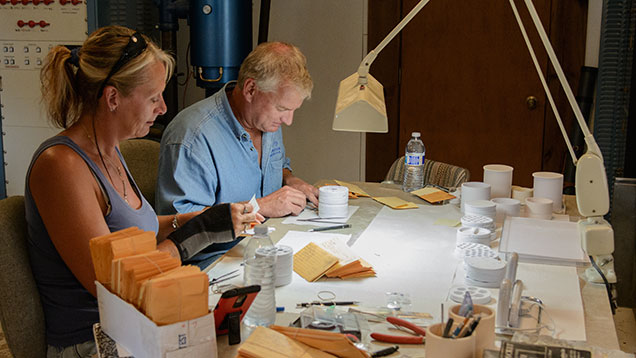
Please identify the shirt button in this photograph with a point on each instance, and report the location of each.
(252, 149)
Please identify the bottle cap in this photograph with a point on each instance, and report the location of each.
(260, 229)
(415, 134)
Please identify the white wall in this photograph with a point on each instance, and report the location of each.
(332, 34)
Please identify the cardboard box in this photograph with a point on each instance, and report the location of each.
(144, 339)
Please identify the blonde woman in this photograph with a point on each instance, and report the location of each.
(78, 186)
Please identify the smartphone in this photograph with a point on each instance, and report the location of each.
(231, 308)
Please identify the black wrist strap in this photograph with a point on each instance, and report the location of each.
(211, 226)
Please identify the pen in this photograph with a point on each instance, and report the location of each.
(343, 226)
(327, 303)
(447, 329)
(473, 326)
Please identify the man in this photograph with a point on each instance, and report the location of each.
(229, 147)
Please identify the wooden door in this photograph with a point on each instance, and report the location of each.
(465, 81)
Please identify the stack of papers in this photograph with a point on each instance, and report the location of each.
(128, 264)
(175, 296)
(543, 241)
(332, 258)
(127, 242)
(289, 342)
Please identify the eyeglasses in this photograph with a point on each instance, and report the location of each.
(135, 47)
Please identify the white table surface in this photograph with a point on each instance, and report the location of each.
(599, 323)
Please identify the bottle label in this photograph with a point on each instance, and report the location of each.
(414, 159)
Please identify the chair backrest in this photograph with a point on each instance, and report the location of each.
(21, 311)
(438, 173)
(142, 158)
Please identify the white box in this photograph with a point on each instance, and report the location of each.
(144, 339)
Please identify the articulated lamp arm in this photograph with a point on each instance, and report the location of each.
(592, 194)
(363, 69)
(360, 104)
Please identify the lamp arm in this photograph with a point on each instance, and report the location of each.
(592, 146)
(545, 85)
(363, 69)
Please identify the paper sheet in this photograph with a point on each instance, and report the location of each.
(542, 241)
(394, 202)
(307, 216)
(558, 288)
(312, 261)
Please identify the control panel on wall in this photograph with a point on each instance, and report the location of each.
(28, 30)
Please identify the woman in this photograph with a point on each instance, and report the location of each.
(78, 186)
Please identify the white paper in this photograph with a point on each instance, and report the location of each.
(542, 241)
(312, 214)
(254, 203)
(339, 249)
(558, 288)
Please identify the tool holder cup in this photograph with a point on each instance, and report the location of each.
(484, 332)
(440, 347)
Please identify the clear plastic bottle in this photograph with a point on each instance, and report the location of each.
(259, 265)
(259, 239)
(414, 164)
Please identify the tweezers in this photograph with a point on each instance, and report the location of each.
(224, 277)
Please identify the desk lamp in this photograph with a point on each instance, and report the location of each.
(360, 107)
(592, 195)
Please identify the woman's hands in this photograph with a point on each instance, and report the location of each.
(242, 217)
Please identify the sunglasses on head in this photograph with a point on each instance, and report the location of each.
(135, 47)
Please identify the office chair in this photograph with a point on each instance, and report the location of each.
(21, 311)
(438, 173)
(142, 158)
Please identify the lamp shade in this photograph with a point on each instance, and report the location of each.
(360, 108)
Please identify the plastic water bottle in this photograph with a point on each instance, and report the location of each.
(414, 164)
(259, 269)
(258, 240)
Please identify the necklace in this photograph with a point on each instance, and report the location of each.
(119, 171)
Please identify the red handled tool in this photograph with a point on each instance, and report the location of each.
(417, 339)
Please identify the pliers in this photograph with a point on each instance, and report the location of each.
(418, 338)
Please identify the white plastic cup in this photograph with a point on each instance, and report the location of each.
(506, 207)
(549, 185)
(474, 190)
(499, 177)
(539, 208)
(520, 193)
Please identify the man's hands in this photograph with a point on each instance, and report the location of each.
(242, 217)
(310, 191)
(283, 201)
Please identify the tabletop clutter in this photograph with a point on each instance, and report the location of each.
(128, 265)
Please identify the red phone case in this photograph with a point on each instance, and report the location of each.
(234, 302)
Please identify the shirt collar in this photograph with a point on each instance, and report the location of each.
(237, 129)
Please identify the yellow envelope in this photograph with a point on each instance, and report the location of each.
(395, 203)
(353, 188)
(432, 195)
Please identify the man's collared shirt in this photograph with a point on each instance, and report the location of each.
(208, 158)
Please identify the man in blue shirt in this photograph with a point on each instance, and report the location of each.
(229, 146)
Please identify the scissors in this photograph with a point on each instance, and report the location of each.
(417, 338)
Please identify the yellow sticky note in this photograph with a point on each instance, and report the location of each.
(352, 188)
(312, 261)
(395, 202)
(447, 222)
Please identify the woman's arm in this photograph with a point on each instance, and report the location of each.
(72, 208)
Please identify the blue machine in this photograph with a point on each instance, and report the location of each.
(221, 38)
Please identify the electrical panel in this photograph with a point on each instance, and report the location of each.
(28, 30)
